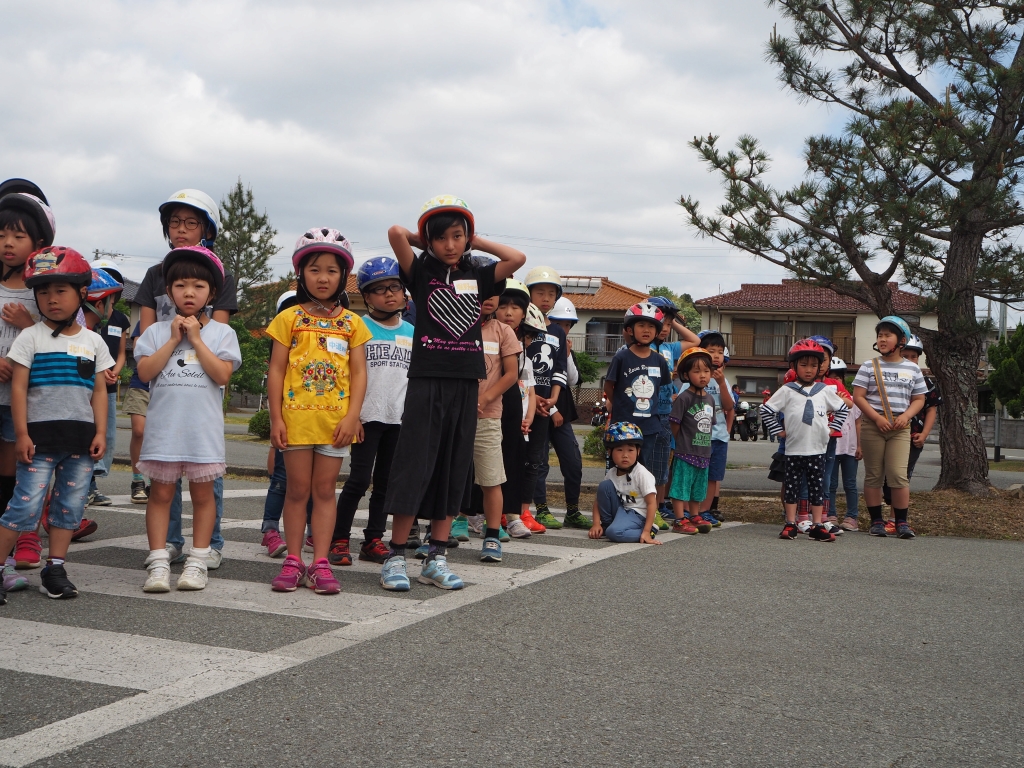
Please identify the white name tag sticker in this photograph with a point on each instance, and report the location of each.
(405, 342)
(337, 346)
(113, 330)
(190, 357)
(552, 340)
(81, 350)
(654, 372)
(491, 348)
(465, 286)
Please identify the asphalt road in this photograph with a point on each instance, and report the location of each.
(733, 648)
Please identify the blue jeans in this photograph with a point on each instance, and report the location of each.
(102, 467)
(620, 525)
(174, 534)
(274, 505)
(849, 466)
(70, 490)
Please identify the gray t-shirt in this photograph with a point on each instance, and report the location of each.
(902, 381)
(8, 332)
(185, 420)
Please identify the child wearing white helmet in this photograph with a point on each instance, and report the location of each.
(889, 391)
(550, 355)
(431, 465)
(561, 436)
(189, 218)
(316, 383)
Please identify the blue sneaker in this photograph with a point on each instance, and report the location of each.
(503, 535)
(460, 528)
(422, 551)
(393, 575)
(491, 551)
(436, 572)
(667, 513)
(710, 518)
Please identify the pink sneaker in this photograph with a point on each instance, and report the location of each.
(27, 551)
(291, 577)
(321, 579)
(274, 543)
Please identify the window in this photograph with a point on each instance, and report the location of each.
(771, 338)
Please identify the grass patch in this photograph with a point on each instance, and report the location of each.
(1007, 466)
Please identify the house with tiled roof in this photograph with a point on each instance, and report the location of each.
(761, 321)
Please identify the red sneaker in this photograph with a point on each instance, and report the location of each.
(339, 553)
(890, 527)
(27, 551)
(531, 523)
(790, 531)
(375, 551)
(684, 526)
(84, 529)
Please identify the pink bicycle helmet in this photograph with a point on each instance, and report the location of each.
(323, 240)
(202, 255)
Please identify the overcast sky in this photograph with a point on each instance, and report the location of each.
(556, 120)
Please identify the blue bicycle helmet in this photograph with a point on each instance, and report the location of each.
(480, 260)
(666, 305)
(826, 343)
(711, 336)
(898, 324)
(376, 269)
(623, 433)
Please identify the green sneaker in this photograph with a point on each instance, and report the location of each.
(546, 519)
(660, 522)
(503, 535)
(460, 528)
(576, 520)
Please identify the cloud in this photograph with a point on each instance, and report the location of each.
(558, 120)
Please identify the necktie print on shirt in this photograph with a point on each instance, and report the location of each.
(453, 312)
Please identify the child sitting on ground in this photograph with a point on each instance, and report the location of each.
(805, 404)
(693, 413)
(626, 501)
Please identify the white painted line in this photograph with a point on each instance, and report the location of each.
(240, 493)
(145, 663)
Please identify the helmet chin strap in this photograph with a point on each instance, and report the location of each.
(379, 314)
(12, 271)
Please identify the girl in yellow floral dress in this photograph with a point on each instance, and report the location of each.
(316, 383)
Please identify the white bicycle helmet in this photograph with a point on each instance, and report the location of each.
(193, 198)
(838, 364)
(914, 345)
(287, 299)
(110, 267)
(563, 310)
(644, 311)
(534, 321)
(544, 276)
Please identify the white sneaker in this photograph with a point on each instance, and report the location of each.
(194, 575)
(477, 523)
(517, 530)
(213, 560)
(173, 555)
(159, 579)
(833, 528)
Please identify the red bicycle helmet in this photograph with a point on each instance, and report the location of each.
(806, 348)
(57, 264)
(644, 311)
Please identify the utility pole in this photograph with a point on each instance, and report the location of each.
(999, 406)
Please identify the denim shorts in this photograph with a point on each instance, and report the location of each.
(70, 491)
(719, 453)
(6, 424)
(324, 449)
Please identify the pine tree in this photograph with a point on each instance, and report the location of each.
(923, 184)
(246, 241)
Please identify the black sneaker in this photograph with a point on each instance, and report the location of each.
(140, 495)
(818, 533)
(718, 514)
(56, 583)
(877, 529)
(790, 531)
(904, 531)
(414, 539)
(99, 500)
(453, 543)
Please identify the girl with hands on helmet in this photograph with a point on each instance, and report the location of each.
(185, 359)
(315, 389)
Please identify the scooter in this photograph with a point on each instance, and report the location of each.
(600, 415)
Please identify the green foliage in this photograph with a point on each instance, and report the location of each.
(589, 369)
(259, 424)
(124, 308)
(593, 445)
(259, 303)
(125, 375)
(246, 240)
(255, 356)
(1007, 380)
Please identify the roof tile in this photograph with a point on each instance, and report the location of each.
(611, 297)
(794, 295)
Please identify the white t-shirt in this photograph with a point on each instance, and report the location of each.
(185, 420)
(525, 382)
(8, 332)
(846, 445)
(632, 487)
(387, 371)
(806, 439)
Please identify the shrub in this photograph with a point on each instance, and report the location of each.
(594, 444)
(259, 424)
